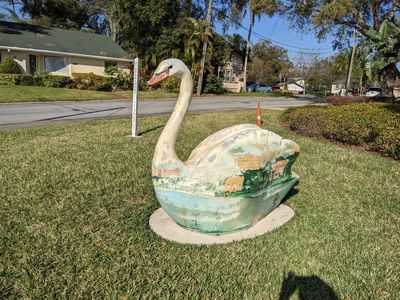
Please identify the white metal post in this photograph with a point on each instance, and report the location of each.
(135, 96)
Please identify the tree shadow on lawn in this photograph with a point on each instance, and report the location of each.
(308, 287)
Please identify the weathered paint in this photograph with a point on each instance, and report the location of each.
(232, 179)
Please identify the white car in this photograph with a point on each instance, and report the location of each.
(372, 92)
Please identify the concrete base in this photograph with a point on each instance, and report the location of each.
(165, 227)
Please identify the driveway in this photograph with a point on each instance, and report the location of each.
(40, 114)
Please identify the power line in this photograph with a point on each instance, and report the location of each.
(262, 37)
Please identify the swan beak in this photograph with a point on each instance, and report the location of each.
(158, 77)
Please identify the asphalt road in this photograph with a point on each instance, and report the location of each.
(39, 114)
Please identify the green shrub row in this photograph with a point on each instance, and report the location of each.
(84, 81)
(281, 93)
(9, 79)
(373, 126)
(80, 81)
(35, 80)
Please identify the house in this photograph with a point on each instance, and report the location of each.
(232, 72)
(296, 86)
(337, 87)
(56, 51)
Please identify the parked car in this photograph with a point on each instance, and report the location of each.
(252, 87)
(261, 88)
(373, 91)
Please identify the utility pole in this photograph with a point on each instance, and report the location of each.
(248, 47)
(353, 52)
(203, 59)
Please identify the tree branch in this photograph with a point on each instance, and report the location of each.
(396, 6)
(375, 5)
(359, 21)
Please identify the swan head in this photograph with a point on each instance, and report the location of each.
(171, 67)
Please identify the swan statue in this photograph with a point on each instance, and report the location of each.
(231, 180)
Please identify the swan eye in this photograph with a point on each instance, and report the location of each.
(170, 67)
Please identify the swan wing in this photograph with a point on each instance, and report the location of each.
(216, 138)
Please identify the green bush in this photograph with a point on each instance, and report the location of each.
(170, 84)
(30, 80)
(9, 79)
(118, 79)
(90, 81)
(282, 93)
(342, 100)
(9, 66)
(373, 126)
(213, 85)
(56, 81)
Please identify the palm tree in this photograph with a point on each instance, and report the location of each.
(256, 8)
(196, 33)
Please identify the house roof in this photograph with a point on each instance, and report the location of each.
(19, 36)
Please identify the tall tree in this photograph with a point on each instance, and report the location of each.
(255, 8)
(268, 62)
(376, 20)
(62, 13)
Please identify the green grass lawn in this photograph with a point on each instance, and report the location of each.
(76, 200)
(14, 94)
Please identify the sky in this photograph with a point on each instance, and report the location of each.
(279, 30)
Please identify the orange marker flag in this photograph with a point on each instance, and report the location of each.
(259, 121)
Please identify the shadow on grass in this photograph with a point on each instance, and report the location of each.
(308, 287)
(151, 129)
(293, 191)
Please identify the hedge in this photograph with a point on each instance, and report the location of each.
(373, 126)
(343, 100)
(9, 79)
(90, 81)
(84, 81)
(53, 80)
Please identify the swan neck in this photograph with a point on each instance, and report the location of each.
(165, 149)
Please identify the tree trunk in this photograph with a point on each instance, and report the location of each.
(388, 80)
(246, 58)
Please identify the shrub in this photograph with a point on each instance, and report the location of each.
(342, 100)
(90, 81)
(9, 79)
(30, 80)
(170, 84)
(118, 79)
(56, 81)
(213, 85)
(282, 93)
(9, 66)
(373, 126)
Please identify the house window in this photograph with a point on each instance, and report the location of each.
(108, 63)
(55, 64)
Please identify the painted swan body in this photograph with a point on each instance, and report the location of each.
(231, 180)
